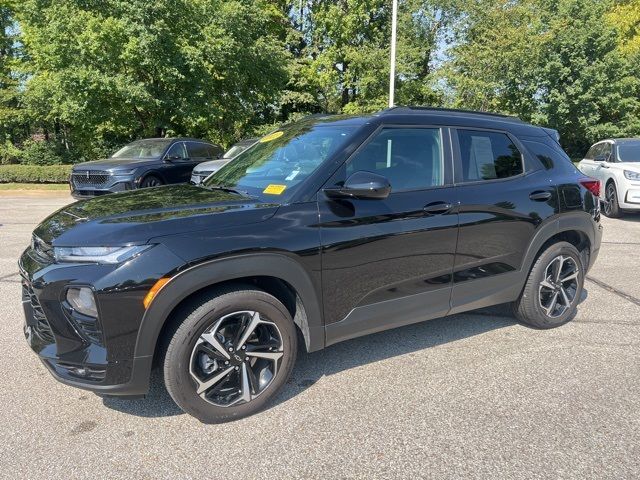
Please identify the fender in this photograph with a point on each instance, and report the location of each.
(577, 221)
(209, 273)
(507, 287)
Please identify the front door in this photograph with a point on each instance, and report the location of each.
(389, 262)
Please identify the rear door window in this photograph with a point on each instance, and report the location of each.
(488, 156)
(198, 151)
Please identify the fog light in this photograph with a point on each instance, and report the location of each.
(83, 301)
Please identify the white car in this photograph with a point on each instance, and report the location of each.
(616, 163)
(203, 170)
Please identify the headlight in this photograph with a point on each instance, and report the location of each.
(98, 254)
(631, 175)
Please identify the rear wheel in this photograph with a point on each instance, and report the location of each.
(611, 207)
(552, 292)
(230, 355)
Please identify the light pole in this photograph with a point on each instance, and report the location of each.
(392, 73)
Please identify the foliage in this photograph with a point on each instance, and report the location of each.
(626, 17)
(34, 173)
(79, 78)
(553, 62)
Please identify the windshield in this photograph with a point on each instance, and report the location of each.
(236, 150)
(629, 152)
(279, 162)
(150, 148)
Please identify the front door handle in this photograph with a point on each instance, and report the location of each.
(604, 165)
(540, 196)
(437, 208)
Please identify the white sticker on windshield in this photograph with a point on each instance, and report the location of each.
(292, 175)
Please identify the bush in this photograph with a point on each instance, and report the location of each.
(34, 173)
(9, 153)
(44, 153)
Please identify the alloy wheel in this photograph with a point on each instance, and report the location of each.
(236, 359)
(609, 195)
(558, 290)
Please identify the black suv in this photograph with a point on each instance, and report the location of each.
(325, 230)
(144, 163)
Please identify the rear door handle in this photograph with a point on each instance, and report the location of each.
(540, 196)
(437, 208)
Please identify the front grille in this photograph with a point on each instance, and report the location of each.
(89, 178)
(41, 327)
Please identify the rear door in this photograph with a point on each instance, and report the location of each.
(501, 203)
(388, 262)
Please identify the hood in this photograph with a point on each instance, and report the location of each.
(115, 164)
(633, 166)
(211, 166)
(139, 215)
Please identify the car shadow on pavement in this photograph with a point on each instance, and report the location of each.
(311, 367)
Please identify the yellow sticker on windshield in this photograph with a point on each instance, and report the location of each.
(271, 136)
(274, 189)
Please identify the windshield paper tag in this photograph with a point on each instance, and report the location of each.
(292, 175)
(274, 189)
(271, 136)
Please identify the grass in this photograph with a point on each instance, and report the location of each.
(34, 186)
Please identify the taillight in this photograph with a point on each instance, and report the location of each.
(592, 185)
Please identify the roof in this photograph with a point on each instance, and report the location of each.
(449, 112)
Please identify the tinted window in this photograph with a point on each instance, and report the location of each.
(177, 150)
(629, 152)
(606, 150)
(488, 156)
(410, 158)
(214, 151)
(198, 150)
(550, 157)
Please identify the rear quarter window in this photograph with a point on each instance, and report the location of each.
(550, 156)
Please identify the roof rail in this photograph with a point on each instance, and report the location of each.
(445, 110)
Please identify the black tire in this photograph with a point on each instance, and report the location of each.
(530, 307)
(611, 206)
(151, 181)
(198, 319)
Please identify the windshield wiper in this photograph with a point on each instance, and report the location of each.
(224, 188)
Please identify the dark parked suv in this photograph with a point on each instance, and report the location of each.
(328, 229)
(144, 163)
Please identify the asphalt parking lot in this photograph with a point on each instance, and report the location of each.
(468, 396)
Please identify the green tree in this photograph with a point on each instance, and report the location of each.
(103, 72)
(553, 62)
(10, 114)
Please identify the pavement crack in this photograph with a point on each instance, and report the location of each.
(615, 291)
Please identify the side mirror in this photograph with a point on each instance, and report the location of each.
(362, 184)
(173, 158)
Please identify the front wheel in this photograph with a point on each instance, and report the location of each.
(611, 207)
(150, 181)
(230, 355)
(553, 289)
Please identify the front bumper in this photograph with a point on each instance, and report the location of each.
(99, 355)
(83, 188)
